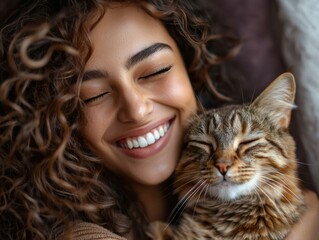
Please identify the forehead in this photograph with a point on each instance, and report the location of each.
(231, 119)
(125, 30)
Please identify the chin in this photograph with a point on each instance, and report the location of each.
(229, 191)
(154, 176)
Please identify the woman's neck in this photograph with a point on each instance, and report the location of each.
(155, 201)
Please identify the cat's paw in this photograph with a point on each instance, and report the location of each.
(160, 231)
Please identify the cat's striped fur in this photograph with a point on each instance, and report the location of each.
(237, 175)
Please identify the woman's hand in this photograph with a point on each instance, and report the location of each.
(308, 226)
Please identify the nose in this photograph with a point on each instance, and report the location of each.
(135, 105)
(223, 166)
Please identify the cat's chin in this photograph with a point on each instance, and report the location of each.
(226, 190)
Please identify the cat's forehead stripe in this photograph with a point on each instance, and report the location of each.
(236, 120)
(216, 120)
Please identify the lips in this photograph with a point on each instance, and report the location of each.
(147, 139)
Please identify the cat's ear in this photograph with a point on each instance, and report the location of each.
(277, 100)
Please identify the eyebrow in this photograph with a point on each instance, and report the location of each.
(94, 74)
(141, 55)
(133, 60)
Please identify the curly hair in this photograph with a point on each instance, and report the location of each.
(49, 178)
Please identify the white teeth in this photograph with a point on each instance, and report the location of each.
(156, 135)
(135, 143)
(148, 139)
(129, 143)
(161, 131)
(142, 142)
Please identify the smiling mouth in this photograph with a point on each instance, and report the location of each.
(145, 140)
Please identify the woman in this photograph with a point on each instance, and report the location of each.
(94, 102)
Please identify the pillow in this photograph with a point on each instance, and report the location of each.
(299, 21)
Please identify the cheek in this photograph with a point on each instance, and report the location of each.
(96, 125)
(179, 94)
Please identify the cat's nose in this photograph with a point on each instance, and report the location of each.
(223, 167)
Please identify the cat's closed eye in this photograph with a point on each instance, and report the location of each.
(205, 142)
(207, 147)
(247, 142)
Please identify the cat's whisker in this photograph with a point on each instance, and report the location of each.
(275, 187)
(184, 200)
(172, 185)
(193, 179)
(168, 189)
(275, 177)
(292, 206)
(274, 171)
(195, 189)
(206, 190)
(271, 183)
(206, 185)
(206, 170)
(259, 197)
(180, 207)
(307, 164)
(269, 198)
(296, 178)
(186, 175)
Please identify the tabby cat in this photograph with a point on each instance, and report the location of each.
(237, 175)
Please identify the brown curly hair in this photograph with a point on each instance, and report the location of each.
(49, 178)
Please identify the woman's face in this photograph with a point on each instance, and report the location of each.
(138, 96)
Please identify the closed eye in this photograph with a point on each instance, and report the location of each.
(95, 98)
(207, 147)
(159, 72)
(200, 142)
(246, 143)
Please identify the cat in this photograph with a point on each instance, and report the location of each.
(236, 178)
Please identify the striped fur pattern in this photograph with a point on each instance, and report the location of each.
(237, 175)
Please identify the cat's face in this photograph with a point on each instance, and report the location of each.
(238, 150)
